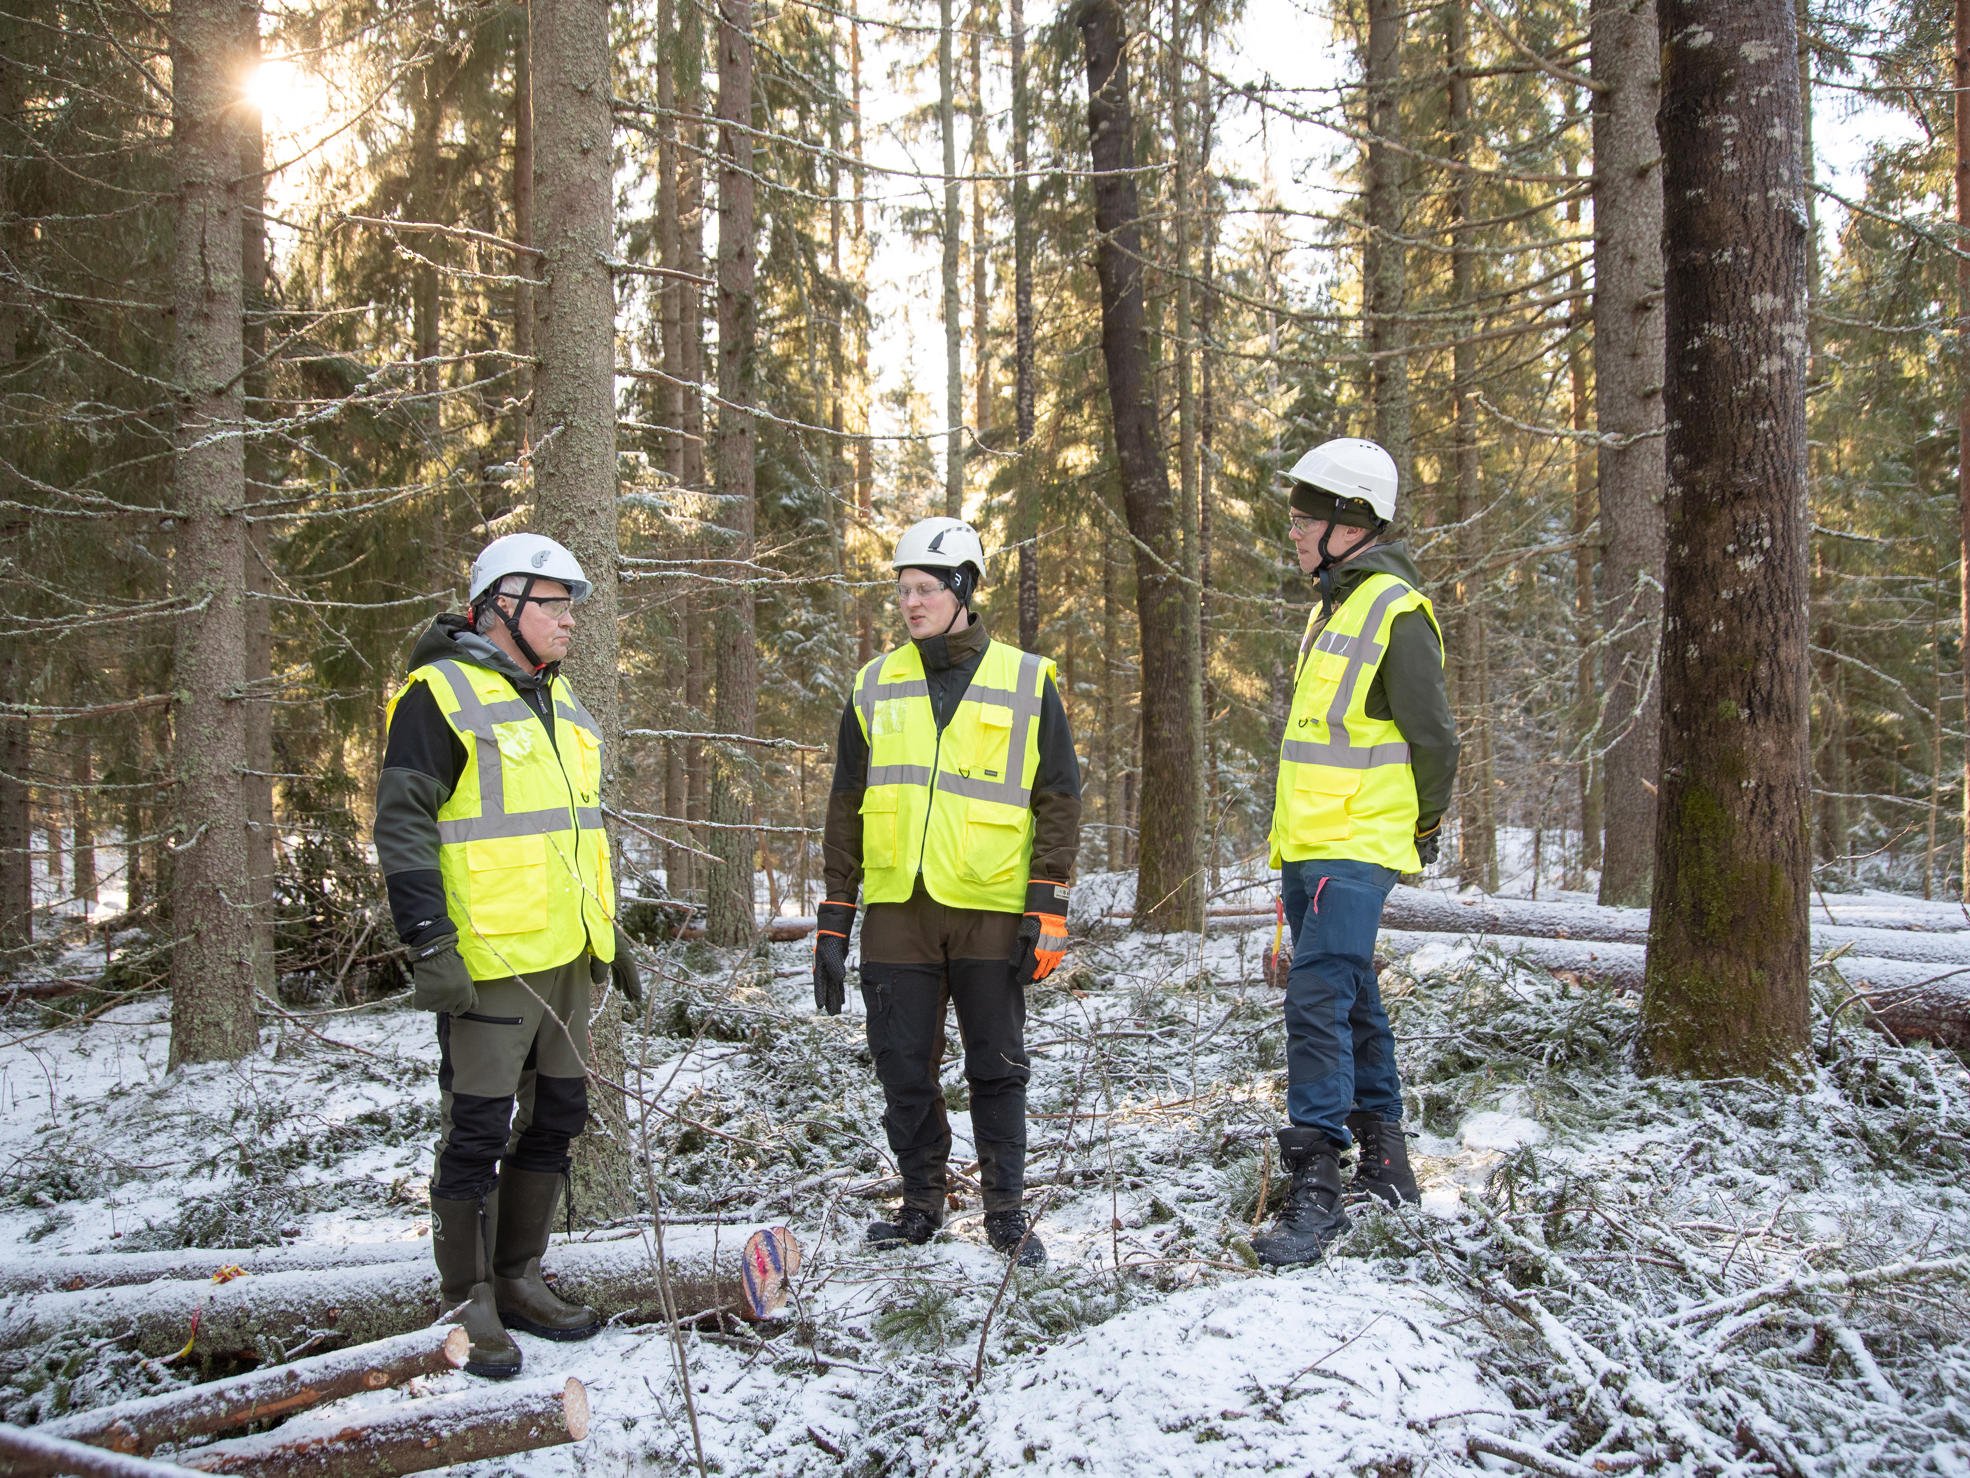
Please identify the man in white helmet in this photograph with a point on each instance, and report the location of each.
(955, 813)
(1366, 767)
(489, 832)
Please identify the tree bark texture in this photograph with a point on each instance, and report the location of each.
(1963, 404)
(212, 961)
(525, 266)
(729, 913)
(486, 1421)
(1628, 387)
(1383, 268)
(1586, 559)
(575, 457)
(268, 1394)
(260, 475)
(16, 737)
(359, 1304)
(947, 126)
(30, 1452)
(1169, 892)
(1477, 825)
(1727, 962)
(1025, 389)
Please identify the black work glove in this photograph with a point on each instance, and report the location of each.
(833, 923)
(627, 973)
(1427, 843)
(439, 980)
(1042, 933)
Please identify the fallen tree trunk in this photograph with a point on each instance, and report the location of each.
(29, 1452)
(361, 1304)
(413, 1436)
(144, 1425)
(115, 1269)
(1910, 999)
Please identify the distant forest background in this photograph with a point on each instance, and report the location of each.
(265, 389)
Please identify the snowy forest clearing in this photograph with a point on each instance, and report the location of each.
(1637, 1273)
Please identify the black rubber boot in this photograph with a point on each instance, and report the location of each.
(1384, 1169)
(527, 1200)
(1011, 1232)
(458, 1241)
(911, 1224)
(1313, 1216)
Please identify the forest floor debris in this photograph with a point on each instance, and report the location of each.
(1608, 1272)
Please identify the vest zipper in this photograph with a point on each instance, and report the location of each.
(574, 817)
(930, 801)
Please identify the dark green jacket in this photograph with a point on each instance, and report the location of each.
(1408, 686)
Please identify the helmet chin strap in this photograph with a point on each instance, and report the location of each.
(511, 620)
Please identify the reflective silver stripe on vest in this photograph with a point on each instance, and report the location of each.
(1362, 652)
(1025, 701)
(507, 824)
(898, 775)
(476, 717)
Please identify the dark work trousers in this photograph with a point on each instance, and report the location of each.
(906, 1037)
(525, 1046)
(1340, 1053)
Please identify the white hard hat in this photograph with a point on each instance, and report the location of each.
(1351, 470)
(527, 554)
(940, 544)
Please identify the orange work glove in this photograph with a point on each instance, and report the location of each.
(1042, 932)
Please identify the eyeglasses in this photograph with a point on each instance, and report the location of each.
(907, 591)
(1299, 523)
(554, 607)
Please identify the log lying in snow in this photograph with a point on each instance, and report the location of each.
(412, 1436)
(144, 1425)
(30, 1452)
(1910, 999)
(110, 1269)
(361, 1304)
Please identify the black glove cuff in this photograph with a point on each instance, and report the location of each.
(1046, 898)
(835, 918)
(435, 947)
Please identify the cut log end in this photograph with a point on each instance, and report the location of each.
(574, 1406)
(458, 1345)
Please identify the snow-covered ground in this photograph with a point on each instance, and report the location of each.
(1619, 1273)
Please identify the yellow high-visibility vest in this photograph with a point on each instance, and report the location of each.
(956, 806)
(1346, 788)
(521, 846)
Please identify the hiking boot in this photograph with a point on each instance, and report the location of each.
(1384, 1169)
(911, 1224)
(458, 1242)
(1011, 1232)
(1313, 1216)
(527, 1199)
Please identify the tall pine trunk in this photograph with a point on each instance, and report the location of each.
(16, 740)
(947, 124)
(1628, 407)
(1025, 390)
(525, 266)
(729, 916)
(260, 473)
(212, 961)
(1383, 267)
(1963, 404)
(575, 460)
(1169, 892)
(1724, 990)
(1477, 823)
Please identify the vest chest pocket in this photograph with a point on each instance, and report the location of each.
(990, 745)
(1319, 811)
(879, 828)
(996, 842)
(508, 879)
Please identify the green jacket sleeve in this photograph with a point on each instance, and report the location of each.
(1409, 689)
